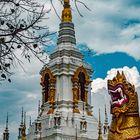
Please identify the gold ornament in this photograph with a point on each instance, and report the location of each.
(76, 89)
(66, 13)
(125, 123)
(75, 80)
(89, 113)
(52, 90)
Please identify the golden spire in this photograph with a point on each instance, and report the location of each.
(66, 13)
(24, 128)
(100, 128)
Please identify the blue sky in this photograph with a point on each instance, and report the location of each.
(104, 62)
(112, 32)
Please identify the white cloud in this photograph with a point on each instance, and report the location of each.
(1, 131)
(131, 74)
(109, 27)
(100, 95)
(32, 96)
(102, 30)
(24, 90)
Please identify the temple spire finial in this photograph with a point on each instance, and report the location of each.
(38, 107)
(22, 116)
(24, 128)
(106, 118)
(30, 121)
(66, 27)
(24, 119)
(106, 125)
(100, 128)
(7, 121)
(6, 131)
(66, 13)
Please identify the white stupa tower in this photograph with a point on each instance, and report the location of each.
(66, 111)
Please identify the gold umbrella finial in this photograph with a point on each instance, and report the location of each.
(66, 13)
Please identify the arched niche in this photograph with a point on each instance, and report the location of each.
(48, 81)
(82, 84)
(80, 80)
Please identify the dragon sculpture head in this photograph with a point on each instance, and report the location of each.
(125, 123)
(123, 96)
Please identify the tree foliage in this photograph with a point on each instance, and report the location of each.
(21, 29)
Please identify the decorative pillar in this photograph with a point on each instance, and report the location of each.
(52, 91)
(86, 93)
(43, 94)
(75, 95)
(106, 124)
(100, 128)
(51, 98)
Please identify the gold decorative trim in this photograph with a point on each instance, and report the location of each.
(52, 90)
(76, 110)
(66, 13)
(47, 71)
(125, 123)
(75, 80)
(51, 111)
(75, 89)
(89, 113)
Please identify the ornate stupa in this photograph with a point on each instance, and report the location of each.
(66, 111)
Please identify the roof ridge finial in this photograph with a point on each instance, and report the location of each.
(66, 13)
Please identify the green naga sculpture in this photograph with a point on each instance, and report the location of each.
(125, 123)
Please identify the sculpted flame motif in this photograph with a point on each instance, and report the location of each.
(125, 123)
